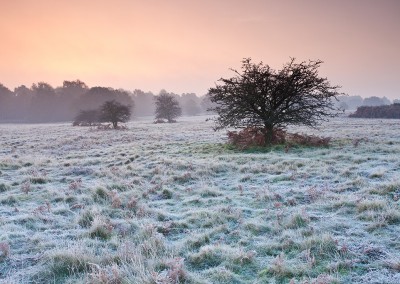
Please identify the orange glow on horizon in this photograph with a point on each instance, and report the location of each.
(185, 47)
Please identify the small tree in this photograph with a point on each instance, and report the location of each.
(87, 117)
(167, 107)
(114, 112)
(262, 97)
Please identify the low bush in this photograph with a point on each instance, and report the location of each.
(384, 111)
(255, 137)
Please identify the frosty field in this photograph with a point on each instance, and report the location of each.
(172, 203)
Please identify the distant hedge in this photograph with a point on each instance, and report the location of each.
(385, 111)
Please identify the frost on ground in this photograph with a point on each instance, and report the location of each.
(171, 203)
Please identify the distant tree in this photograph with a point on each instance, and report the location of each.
(261, 97)
(374, 101)
(144, 103)
(190, 103)
(386, 101)
(191, 107)
(382, 111)
(69, 94)
(97, 96)
(43, 89)
(45, 105)
(206, 104)
(6, 101)
(23, 97)
(77, 84)
(167, 107)
(343, 106)
(114, 112)
(353, 102)
(87, 117)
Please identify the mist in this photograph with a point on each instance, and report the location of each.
(43, 103)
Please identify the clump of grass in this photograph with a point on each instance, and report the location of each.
(298, 220)
(378, 173)
(26, 187)
(392, 216)
(281, 269)
(371, 205)
(65, 263)
(208, 256)
(100, 229)
(132, 203)
(4, 187)
(115, 199)
(198, 241)
(106, 275)
(208, 192)
(244, 257)
(4, 250)
(186, 177)
(71, 199)
(9, 200)
(166, 194)
(322, 247)
(38, 180)
(381, 219)
(256, 228)
(393, 263)
(221, 274)
(86, 218)
(175, 272)
(385, 189)
(100, 194)
(118, 187)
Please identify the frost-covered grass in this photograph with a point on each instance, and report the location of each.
(171, 203)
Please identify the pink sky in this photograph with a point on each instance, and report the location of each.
(186, 46)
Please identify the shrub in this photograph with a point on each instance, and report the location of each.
(384, 111)
(255, 137)
(87, 118)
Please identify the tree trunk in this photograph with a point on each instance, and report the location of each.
(115, 124)
(269, 133)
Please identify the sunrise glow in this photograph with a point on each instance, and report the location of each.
(185, 46)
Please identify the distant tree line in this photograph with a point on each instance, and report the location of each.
(384, 111)
(353, 102)
(44, 103)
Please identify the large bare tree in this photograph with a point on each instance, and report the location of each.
(260, 96)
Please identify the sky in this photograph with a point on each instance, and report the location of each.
(185, 46)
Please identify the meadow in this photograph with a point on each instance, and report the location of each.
(173, 203)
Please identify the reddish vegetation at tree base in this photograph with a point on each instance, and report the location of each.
(255, 136)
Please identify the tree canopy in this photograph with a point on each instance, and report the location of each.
(87, 117)
(114, 112)
(167, 107)
(260, 96)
